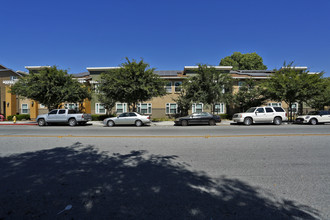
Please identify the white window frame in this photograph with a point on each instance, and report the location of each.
(124, 108)
(70, 105)
(194, 105)
(27, 108)
(169, 88)
(275, 104)
(222, 108)
(149, 108)
(297, 107)
(97, 109)
(168, 108)
(180, 86)
(96, 88)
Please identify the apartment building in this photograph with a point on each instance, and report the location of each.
(158, 107)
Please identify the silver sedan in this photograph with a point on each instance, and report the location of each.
(127, 118)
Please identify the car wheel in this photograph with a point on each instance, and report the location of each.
(138, 123)
(313, 121)
(211, 122)
(72, 122)
(41, 122)
(184, 123)
(248, 121)
(110, 123)
(277, 121)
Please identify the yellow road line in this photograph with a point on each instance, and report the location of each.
(166, 136)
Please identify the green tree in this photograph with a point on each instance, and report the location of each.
(208, 86)
(132, 83)
(248, 61)
(51, 87)
(184, 103)
(250, 94)
(291, 84)
(323, 99)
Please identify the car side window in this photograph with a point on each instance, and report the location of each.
(61, 112)
(53, 112)
(279, 109)
(123, 115)
(260, 110)
(269, 110)
(132, 114)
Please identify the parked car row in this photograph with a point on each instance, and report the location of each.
(267, 114)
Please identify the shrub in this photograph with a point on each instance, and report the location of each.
(162, 119)
(226, 116)
(101, 117)
(19, 117)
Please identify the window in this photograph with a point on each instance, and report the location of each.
(178, 86)
(197, 107)
(42, 106)
(99, 108)
(73, 106)
(53, 112)
(123, 115)
(25, 109)
(269, 109)
(219, 108)
(131, 114)
(168, 87)
(294, 107)
(171, 108)
(121, 107)
(144, 108)
(260, 110)
(13, 77)
(275, 104)
(279, 109)
(61, 112)
(96, 88)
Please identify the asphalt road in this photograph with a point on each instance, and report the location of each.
(198, 172)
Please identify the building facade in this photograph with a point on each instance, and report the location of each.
(158, 107)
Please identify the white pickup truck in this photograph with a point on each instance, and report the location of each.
(67, 116)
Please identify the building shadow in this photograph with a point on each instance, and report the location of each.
(137, 185)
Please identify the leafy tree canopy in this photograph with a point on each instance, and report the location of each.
(132, 83)
(248, 61)
(51, 87)
(290, 84)
(323, 99)
(250, 94)
(208, 86)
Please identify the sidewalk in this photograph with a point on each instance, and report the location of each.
(18, 123)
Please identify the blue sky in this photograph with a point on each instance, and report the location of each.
(167, 34)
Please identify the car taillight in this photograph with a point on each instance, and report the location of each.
(148, 117)
(82, 116)
(286, 114)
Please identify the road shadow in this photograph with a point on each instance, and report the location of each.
(137, 185)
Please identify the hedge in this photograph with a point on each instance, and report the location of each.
(101, 117)
(19, 117)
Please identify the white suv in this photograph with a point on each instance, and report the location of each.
(266, 114)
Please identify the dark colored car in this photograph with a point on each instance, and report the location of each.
(198, 119)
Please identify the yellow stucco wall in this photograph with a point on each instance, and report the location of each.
(11, 103)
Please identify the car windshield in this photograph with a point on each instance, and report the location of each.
(313, 113)
(251, 110)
